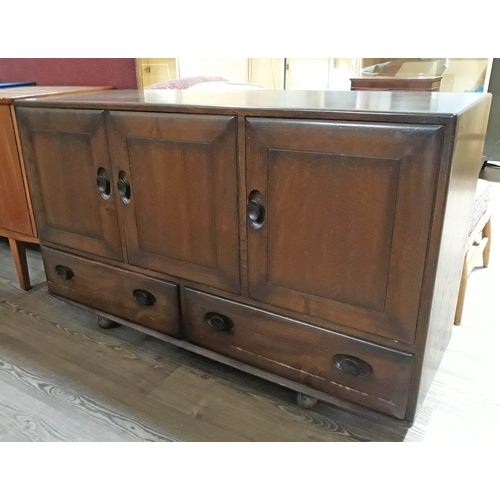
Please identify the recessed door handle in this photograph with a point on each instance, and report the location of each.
(255, 209)
(123, 186)
(103, 183)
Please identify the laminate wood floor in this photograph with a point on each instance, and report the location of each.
(62, 378)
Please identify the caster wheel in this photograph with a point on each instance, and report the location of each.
(106, 323)
(306, 401)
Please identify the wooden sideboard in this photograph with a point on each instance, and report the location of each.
(394, 83)
(315, 239)
(16, 217)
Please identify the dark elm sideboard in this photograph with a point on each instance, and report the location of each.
(315, 239)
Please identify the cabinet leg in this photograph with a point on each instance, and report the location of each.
(306, 401)
(106, 323)
(19, 255)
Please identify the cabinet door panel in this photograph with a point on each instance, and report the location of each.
(347, 214)
(64, 150)
(182, 215)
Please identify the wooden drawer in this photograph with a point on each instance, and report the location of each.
(145, 301)
(354, 370)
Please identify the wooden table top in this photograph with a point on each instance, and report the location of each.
(9, 95)
(253, 102)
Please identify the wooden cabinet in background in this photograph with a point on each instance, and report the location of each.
(313, 239)
(16, 216)
(397, 84)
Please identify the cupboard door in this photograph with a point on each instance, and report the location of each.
(14, 211)
(71, 183)
(339, 218)
(179, 208)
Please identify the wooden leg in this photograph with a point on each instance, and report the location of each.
(461, 294)
(19, 255)
(486, 251)
(306, 401)
(106, 323)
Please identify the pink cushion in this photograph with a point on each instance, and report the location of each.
(186, 82)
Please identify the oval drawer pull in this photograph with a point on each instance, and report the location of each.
(143, 297)
(219, 322)
(64, 272)
(352, 365)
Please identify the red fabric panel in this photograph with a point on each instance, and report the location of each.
(118, 73)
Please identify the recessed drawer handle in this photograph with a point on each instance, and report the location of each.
(64, 272)
(352, 365)
(143, 297)
(219, 322)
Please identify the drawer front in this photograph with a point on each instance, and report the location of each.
(142, 300)
(354, 370)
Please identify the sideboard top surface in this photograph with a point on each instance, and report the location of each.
(9, 95)
(438, 104)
